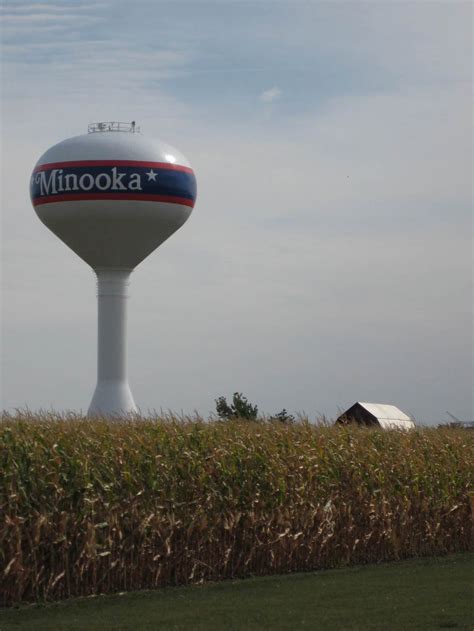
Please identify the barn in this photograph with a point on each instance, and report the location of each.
(376, 415)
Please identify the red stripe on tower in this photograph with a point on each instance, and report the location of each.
(75, 197)
(112, 163)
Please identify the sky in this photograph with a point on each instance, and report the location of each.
(328, 258)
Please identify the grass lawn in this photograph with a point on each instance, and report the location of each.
(419, 594)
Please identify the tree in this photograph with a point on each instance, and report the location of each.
(240, 408)
(283, 417)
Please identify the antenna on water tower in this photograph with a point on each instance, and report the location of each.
(113, 196)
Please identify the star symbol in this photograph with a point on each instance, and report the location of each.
(151, 175)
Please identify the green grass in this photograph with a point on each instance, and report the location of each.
(419, 594)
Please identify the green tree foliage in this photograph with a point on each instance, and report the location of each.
(283, 417)
(240, 408)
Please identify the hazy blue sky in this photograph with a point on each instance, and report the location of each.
(329, 256)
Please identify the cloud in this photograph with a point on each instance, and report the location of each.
(37, 19)
(268, 96)
(17, 20)
(327, 259)
(95, 71)
(57, 8)
(299, 262)
(30, 29)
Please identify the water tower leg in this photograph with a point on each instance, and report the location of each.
(112, 396)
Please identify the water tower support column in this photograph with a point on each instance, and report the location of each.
(112, 395)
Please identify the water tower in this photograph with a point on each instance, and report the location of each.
(113, 196)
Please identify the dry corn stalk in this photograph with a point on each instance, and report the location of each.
(93, 506)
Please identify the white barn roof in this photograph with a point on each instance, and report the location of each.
(387, 416)
(385, 412)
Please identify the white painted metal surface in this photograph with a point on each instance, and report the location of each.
(396, 424)
(113, 196)
(385, 412)
(112, 382)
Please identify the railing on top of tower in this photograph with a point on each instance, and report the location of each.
(93, 128)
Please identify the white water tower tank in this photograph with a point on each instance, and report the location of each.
(113, 196)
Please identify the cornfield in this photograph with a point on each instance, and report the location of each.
(91, 506)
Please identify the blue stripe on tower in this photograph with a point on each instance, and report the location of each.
(107, 181)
